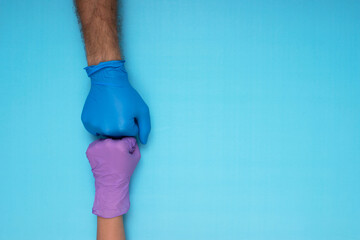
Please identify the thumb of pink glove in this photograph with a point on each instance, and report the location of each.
(112, 163)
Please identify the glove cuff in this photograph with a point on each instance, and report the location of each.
(111, 201)
(111, 73)
(90, 70)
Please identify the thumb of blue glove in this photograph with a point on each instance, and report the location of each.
(113, 107)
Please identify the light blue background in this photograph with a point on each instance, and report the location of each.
(255, 113)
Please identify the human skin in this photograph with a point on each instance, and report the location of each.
(98, 20)
(110, 228)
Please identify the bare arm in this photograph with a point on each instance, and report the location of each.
(98, 20)
(110, 228)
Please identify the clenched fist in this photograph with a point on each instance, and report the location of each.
(113, 107)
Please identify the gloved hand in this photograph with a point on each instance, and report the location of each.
(113, 108)
(112, 162)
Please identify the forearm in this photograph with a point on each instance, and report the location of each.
(110, 228)
(98, 20)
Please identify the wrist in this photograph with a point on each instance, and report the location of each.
(104, 52)
(95, 60)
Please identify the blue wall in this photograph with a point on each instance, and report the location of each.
(255, 109)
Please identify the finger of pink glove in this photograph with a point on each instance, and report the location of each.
(112, 161)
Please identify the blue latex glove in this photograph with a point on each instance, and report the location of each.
(113, 108)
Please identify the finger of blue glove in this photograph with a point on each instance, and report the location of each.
(127, 128)
(143, 120)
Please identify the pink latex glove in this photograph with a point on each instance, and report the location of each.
(112, 163)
